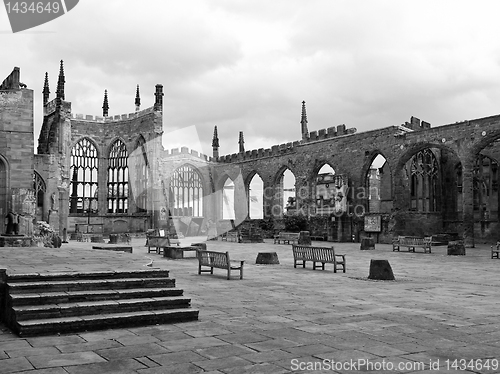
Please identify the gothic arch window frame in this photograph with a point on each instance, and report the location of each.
(187, 192)
(485, 187)
(228, 211)
(40, 188)
(376, 188)
(84, 171)
(256, 203)
(117, 177)
(141, 173)
(283, 202)
(4, 185)
(324, 192)
(422, 171)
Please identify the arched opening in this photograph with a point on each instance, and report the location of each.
(379, 184)
(228, 200)
(422, 174)
(186, 192)
(40, 188)
(140, 170)
(256, 198)
(326, 191)
(118, 178)
(287, 196)
(84, 177)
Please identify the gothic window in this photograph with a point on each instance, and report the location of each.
(256, 198)
(228, 200)
(84, 182)
(423, 173)
(379, 184)
(187, 192)
(118, 178)
(286, 192)
(485, 188)
(141, 175)
(40, 188)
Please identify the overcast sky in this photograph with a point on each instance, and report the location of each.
(246, 65)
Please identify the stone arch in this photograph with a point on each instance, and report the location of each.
(187, 189)
(84, 174)
(285, 196)
(117, 177)
(228, 210)
(255, 195)
(139, 171)
(40, 188)
(377, 183)
(112, 142)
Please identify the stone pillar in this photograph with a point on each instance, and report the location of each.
(240, 200)
(63, 210)
(269, 191)
(304, 195)
(468, 202)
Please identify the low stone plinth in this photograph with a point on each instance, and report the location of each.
(367, 243)
(119, 248)
(15, 241)
(380, 270)
(456, 248)
(304, 238)
(267, 258)
(178, 252)
(119, 238)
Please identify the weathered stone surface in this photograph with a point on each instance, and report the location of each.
(367, 243)
(270, 258)
(456, 248)
(380, 270)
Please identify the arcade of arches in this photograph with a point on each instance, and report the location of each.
(399, 180)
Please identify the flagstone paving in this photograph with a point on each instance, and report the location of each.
(439, 315)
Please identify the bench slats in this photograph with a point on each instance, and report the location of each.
(412, 242)
(219, 260)
(318, 255)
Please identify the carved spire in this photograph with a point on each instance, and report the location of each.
(137, 100)
(303, 122)
(46, 91)
(105, 105)
(158, 98)
(60, 83)
(241, 142)
(215, 143)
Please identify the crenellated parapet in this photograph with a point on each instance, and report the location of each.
(275, 150)
(110, 119)
(330, 132)
(185, 151)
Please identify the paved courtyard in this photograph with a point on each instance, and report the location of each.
(440, 315)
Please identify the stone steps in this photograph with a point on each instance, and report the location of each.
(71, 302)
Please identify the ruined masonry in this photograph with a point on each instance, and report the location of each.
(110, 174)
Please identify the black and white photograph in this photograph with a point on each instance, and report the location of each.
(249, 186)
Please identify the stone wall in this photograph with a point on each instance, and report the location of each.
(16, 144)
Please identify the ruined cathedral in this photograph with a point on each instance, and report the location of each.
(111, 174)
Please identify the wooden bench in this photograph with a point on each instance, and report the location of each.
(495, 250)
(322, 255)
(412, 242)
(287, 237)
(231, 236)
(219, 260)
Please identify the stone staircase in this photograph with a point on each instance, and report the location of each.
(37, 304)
